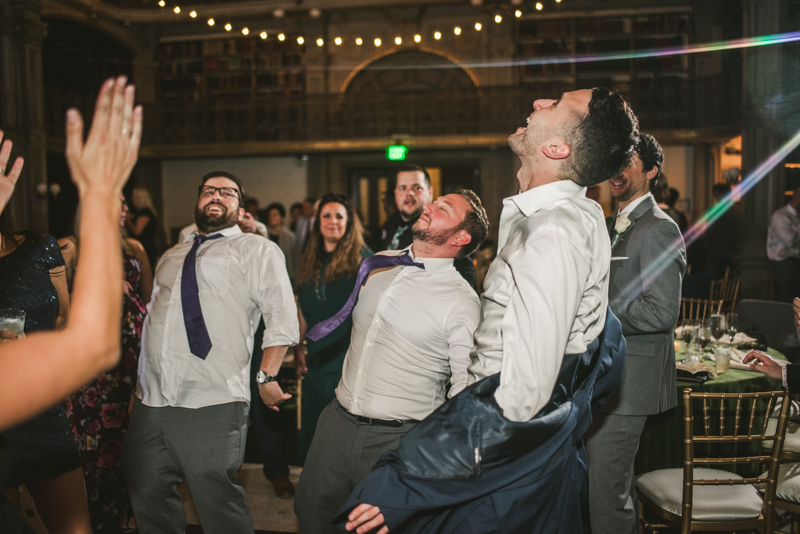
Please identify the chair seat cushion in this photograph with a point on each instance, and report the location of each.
(709, 503)
(789, 482)
(792, 441)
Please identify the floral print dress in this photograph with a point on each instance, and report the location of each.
(99, 415)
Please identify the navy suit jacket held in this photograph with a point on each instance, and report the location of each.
(467, 469)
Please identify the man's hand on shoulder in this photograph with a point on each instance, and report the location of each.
(366, 517)
(273, 395)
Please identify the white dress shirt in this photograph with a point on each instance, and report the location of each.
(412, 333)
(632, 206)
(240, 277)
(783, 237)
(545, 294)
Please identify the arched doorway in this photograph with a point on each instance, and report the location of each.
(411, 92)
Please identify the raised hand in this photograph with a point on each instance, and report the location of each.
(106, 159)
(8, 178)
(764, 363)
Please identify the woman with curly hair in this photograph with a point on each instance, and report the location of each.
(326, 278)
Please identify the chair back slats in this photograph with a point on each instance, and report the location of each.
(759, 406)
(726, 290)
(699, 309)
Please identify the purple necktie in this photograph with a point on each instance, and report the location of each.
(196, 331)
(378, 261)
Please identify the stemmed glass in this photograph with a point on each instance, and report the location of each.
(733, 325)
(718, 327)
(703, 337)
(686, 334)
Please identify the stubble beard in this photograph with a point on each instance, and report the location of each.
(213, 223)
(436, 238)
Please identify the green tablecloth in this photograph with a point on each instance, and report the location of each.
(661, 446)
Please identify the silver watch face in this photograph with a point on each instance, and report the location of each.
(263, 378)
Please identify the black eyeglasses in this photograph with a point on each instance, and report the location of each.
(225, 192)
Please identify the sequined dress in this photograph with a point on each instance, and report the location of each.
(43, 446)
(99, 414)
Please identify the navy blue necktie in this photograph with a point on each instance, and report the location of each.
(196, 331)
(378, 261)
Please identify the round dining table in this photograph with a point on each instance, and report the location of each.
(661, 445)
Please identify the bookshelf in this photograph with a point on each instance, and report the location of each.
(240, 66)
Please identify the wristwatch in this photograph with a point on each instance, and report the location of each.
(263, 378)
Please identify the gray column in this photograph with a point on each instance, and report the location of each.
(22, 108)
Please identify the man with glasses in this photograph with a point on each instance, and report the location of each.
(189, 422)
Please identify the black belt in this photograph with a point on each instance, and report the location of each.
(396, 423)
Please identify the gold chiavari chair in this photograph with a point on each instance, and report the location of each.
(699, 309)
(726, 290)
(703, 498)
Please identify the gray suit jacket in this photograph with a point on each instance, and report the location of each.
(647, 267)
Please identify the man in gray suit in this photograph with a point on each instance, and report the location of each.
(648, 261)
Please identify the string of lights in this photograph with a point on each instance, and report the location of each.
(338, 40)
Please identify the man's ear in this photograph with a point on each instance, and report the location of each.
(652, 173)
(241, 214)
(461, 239)
(556, 148)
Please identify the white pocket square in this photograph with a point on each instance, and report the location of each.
(619, 258)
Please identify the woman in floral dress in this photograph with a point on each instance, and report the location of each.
(99, 411)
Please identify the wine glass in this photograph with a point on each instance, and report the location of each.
(686, 333)
(703, 337)
(732, 324)
(718, 327)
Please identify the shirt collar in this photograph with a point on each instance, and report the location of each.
(632, 206)
(432, 265)
(537, 198)
(227, 232)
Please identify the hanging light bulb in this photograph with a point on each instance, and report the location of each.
(539, 6)
(210, 22)
(377, 41)
(359, 41)
(245, 31)
(338, 41)
(417, 38)
(228, 27)
(398, 41)
(457, 30)
(281, 37)
(162, 3)
(518, 13)
(437, 35)
(263, 35)
(300, 40)
(478, 26)
(498, 19)
(320, 42)
(177, 9)
(193, 14)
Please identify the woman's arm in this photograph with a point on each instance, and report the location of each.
(42, 368)
(137, 224)
(299, 353)
(146, 280)
(58, 277)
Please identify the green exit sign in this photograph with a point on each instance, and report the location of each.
(396, 152)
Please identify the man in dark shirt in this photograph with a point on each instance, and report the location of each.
(412, 191)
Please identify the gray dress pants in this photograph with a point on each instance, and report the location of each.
(167, 446)
(342, 454)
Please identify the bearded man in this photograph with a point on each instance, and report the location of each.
(409, 351)
(189, 422)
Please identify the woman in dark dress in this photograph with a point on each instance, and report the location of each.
(42, 451)
(99, 411)
(327, 276)
(142, 224)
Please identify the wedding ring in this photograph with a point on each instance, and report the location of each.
(2, 170)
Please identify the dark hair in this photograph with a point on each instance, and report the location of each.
(720, 190)
(602, 141)
(673, 196)
(347, 256)
(276, 206)
(296, 206)
(650, 153)
(413, 168)
(229, 176)
(475, 223)
(251, 201)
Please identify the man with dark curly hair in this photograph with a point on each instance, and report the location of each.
(506, 454)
